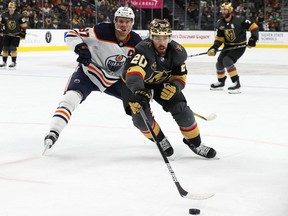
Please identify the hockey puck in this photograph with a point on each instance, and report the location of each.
(194, 211)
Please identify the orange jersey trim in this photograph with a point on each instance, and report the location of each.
(94, 69)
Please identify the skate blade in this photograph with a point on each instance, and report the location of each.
(217, 89)
(47, 145)
(236, 91)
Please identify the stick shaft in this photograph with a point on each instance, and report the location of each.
(227, 49)
(172, 173)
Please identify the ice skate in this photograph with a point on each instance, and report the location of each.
(235, 88)
(201, 150)
(3, 65)
(218, 86)
(50, 140)
(166, 147)
(12, 66)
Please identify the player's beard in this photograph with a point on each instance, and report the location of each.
(226, 16)
(161, 50)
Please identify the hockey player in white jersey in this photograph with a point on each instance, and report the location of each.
(102, 52)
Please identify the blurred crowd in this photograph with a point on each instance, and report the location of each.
(63, 14)
(266, 13)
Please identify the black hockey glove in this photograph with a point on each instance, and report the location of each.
(251, 42)
(22, 34)
(139, 99)
(84, 54)
(169, 91)
(212, 51)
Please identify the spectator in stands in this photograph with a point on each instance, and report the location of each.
(193, 11)
(260, 20)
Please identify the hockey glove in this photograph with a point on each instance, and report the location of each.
(139, 99)
(212, 51)
(251, 42)
(84, 54)
(22, 34)
(168, 92)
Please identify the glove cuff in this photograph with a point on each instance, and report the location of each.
(176, 85)
(214, 47)
(79, 47)
(143, 92)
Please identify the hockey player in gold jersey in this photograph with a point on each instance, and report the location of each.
(231, 30)
(158, 66)
(14, 28)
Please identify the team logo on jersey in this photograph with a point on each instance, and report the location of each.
(11, 24)
(158, 77)
(230, 35)
(154, 66)
(114, 63)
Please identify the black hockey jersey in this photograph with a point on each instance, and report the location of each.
(152, 69)
(234, 32)
(13, 23)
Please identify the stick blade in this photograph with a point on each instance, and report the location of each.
(198, 196)
(211, 117)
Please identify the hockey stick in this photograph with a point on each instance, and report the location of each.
(211, 116)
(227, 49)
(182, 192)
(11, 35)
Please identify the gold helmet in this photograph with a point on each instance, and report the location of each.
(227, 6)
(159, 27)
(12, 4)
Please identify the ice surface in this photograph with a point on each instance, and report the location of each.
(101, 165)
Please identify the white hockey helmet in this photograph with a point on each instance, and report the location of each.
(125, 12)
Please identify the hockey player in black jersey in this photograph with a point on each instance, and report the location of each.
(14, 28)
(231, 30)
(158, 66)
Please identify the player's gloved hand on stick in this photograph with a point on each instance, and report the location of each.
(84, 54)
(169, 91)
(212, 51)
(139, 99)
(251, 42)
(22, 34)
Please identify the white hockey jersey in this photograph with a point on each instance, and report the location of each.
(108, 53)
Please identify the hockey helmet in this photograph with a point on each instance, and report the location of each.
(12, 5)
(227, 6)
(125, 12)
(159, 27)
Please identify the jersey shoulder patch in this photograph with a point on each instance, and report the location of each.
(145, 47)
(179, 53)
